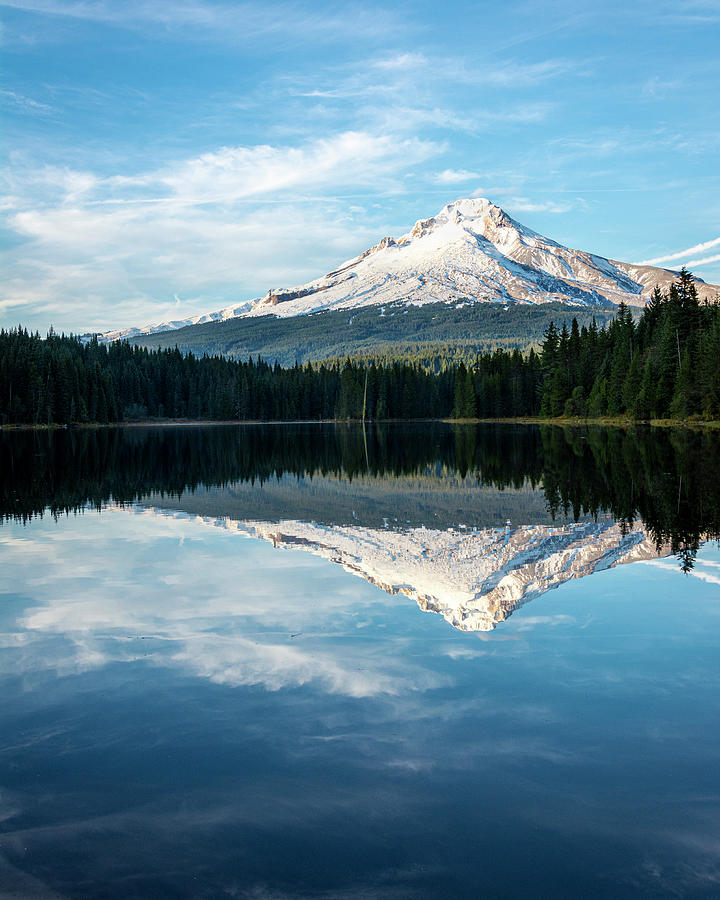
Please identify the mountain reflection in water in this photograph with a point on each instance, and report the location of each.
(188, 711)
(470, 521)
(474, 578)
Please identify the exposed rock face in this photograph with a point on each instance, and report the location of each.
(272, 298)
(475, 579)
(471, 251)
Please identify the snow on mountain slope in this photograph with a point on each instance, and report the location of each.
(231, 312)
(471, 251)
(474, 578)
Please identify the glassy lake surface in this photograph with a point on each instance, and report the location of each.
(322, 661)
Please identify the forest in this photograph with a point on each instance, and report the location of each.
(664, 365)
(459, 330)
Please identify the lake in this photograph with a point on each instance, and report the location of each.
(324, 661)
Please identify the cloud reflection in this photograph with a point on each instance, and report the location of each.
(561, 738)
(126, 586)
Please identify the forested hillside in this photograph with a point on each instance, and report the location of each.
(663, 366)
(400, 330)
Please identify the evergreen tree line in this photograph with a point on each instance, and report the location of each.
(665, 365)
(662, 366)
(63, 380)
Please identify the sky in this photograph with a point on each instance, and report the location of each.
(164, 159)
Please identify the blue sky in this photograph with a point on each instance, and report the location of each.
(162, 159)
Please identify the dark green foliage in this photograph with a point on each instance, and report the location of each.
(665, 478)
(64, 381)
(664, 365)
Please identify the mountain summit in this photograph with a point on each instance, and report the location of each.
(471, 251)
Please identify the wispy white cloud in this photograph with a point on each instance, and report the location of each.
(704, 261)
(682, 254)
(90, 268)
(206, 625)
(237, 661)
(6, 306)
(697, 572)
(245, 21)
(694, 15)
(456, 176)
(513, 74)
(20, 103)
(403, 119)
(528, 622)
(401, 61)
(508, 73)
(525, 204)
(352, 157)
(219, 227)
(424, 77)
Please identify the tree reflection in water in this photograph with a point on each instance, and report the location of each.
(665, 478)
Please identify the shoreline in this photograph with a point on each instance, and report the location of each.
(600, 422)
(561, 422)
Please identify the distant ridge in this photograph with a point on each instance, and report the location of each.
(470, 252)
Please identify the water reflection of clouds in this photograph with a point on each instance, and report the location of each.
(235, 661)
(236, 613)
(540, 734)
(703, 569)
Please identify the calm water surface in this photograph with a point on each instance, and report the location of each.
(320, 662)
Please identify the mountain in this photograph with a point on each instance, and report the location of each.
(474, 578)
(470, 252)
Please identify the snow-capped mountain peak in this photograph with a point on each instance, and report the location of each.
(477, 216)
(471, 251)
